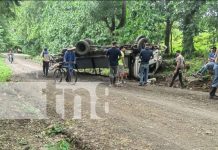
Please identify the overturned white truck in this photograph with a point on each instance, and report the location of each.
(93, 56)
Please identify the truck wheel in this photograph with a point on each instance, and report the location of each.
(82, 47)
(141, 43)
(139, 37)
(89, 41)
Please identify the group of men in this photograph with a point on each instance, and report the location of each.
(145, 55)
(117, 63)
(69, 60)
(114, 54)
(211, 66)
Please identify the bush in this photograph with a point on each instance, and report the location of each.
(195, 65)
(5, 71)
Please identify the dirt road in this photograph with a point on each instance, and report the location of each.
(137, 118)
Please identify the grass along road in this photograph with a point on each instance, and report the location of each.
(5, 71)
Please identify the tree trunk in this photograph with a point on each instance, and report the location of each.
(168, 27)
(167, 34)
(189, 27)
(188, 34)
(123, 15)
(171, 42)
(111, 22)
(111, 26)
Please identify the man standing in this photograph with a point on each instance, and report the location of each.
(113, 54)
(145, 56)
(46, 59)
(69, 62)
(10, 56)
(180, 64)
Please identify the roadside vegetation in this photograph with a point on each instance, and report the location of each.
(189, 26)
(5, 71)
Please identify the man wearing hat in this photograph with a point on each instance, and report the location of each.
(69, 61)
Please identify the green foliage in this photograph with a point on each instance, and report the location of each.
(60, 145)
(142, 19)
(195, 65)
(5, 71)
(177, 40)
(202, 42)
(58, 24)
(2, 44)
(5, 6)
(106, 72)
(37, 59)
(56, 129)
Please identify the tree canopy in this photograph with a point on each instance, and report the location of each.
(190, 26)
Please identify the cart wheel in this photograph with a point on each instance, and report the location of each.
(57, 76)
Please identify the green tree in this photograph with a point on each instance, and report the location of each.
(113, 13)
(190, 9)
(57, 24)
(5, 13)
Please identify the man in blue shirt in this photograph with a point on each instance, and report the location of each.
(69, 61)
(209, 65)
(145, 56)
(113, 55)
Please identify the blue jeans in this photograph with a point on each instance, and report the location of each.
(143, 73)
(113, 71)
(208, 66)
(69, 68)
(215, 80)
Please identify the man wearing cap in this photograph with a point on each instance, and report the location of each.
(113, 55)
(46, 58)
(69, 61)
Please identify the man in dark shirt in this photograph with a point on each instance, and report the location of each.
(113, 55)
(145, 56)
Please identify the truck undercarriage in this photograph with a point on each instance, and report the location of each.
(91, 56)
